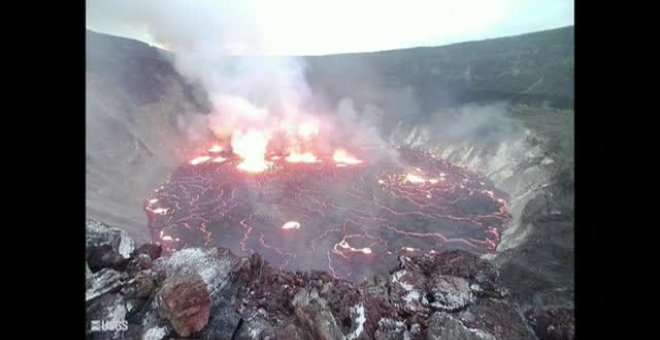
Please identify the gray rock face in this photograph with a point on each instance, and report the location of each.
(408, 291)
(389, 329)
(314, 316)
(255, 328)
(224, 319)
(443, 326)
(498, 318)
(552, 323)
(106, 246)
(104, 281)
(449, 293)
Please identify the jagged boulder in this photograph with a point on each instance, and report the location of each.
(140, 286)
(313, 316)
(185, 301)
(153, 250)
(408, 292)
(194, 278)
(459, 263)
(449, 293)
(443, 326)
(212, 294)
(390, 329)
(106, 246)
(104, 281)
(497, 318)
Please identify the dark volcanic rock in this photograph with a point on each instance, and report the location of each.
(458, 263)
(224, 319)
(389, 329)
(195, 279)
(104, 281)
(212, 294)
(449, 293)
(314, 317)
(140, 286)
(138, 263)
(408, 292)
(496, 317)
(256, 328)
(153, 250)
(185, 301)
(444, 326)
(541, 269)
(106, 246)
(553, 323)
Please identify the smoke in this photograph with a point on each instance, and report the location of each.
(207, 37)
(221, 46)
(487, 123)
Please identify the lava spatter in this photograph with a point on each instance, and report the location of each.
(353, 219)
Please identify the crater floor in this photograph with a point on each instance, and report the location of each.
(352, 220)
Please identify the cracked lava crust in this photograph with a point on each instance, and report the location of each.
(352, 218)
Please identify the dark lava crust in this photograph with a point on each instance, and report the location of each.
(353, 220)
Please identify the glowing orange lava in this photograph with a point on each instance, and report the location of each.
(305, 157)
(342, 157)
(415, 179)
(251, 147)
(291, 225)
(216, 149)
(199, 160)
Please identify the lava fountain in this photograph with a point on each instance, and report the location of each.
(339, 211)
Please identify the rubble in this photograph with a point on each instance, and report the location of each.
(106, 246)
(213, 294)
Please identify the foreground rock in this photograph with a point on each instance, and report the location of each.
(106, 246)
(213, 294)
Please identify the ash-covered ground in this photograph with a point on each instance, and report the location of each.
(352, 220)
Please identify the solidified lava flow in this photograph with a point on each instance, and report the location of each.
(352, 219)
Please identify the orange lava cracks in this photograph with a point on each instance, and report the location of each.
(357, 218)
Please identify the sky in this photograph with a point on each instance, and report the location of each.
(315, 27)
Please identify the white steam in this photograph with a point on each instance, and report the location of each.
(206, 36)
(220, 45)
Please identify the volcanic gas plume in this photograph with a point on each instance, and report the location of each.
(341, 210)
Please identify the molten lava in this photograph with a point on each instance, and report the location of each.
(251, 147)
(342, 158)
(305, 157)
(199, 160)
(358, 214)
(216, 149)
(415, 179)
(291, 225)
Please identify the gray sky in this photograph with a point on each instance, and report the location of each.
(308, 27)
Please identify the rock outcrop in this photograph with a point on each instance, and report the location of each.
(213, 294)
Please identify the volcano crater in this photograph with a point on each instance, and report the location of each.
(352, 220)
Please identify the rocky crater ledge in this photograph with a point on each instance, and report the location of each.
(213, 294)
